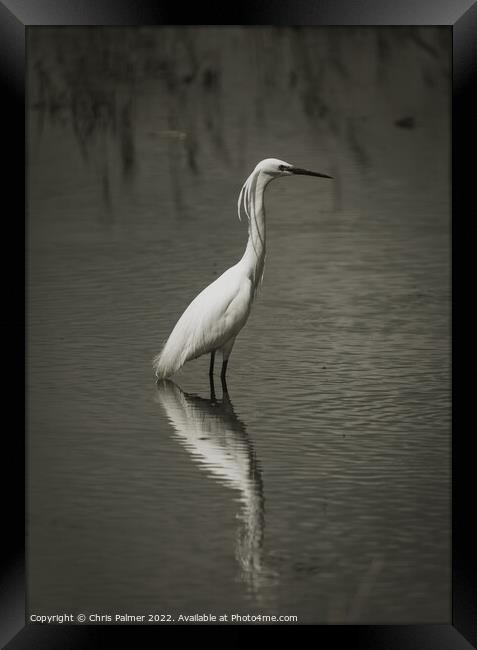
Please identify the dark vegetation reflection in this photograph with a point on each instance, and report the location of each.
(92, 83)
(217, 440)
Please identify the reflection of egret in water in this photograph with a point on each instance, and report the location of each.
(215, 437)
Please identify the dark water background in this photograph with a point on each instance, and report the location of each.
(322, 488)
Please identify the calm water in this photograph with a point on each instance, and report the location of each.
(321, 485)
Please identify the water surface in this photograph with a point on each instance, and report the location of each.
(320, 485)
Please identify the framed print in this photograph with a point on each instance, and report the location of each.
(245, 404)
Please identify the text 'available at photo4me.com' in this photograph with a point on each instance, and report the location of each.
(150, 618)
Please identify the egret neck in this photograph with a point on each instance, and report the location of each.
(253, 259)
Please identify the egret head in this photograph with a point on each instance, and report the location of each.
(276, 168)
(271, 168)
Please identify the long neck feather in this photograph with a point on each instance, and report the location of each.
(251, 200)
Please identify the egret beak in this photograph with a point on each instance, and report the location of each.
(305, 172)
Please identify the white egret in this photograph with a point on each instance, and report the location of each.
(214, 318)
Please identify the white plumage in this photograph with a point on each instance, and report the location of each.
(214, 318)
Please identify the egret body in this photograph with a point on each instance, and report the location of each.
(214, 318)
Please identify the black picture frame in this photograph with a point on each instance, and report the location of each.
(461, 17)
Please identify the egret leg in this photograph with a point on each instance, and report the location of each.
(224, 370)
(225, 390)
(213, 399)
(211, 367)
(225, 396)
(226, 350)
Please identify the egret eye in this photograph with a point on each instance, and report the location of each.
(281, 168)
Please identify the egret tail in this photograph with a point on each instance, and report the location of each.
(168, 361)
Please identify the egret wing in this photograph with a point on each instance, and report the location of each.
(211, 319)
(220, 312)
